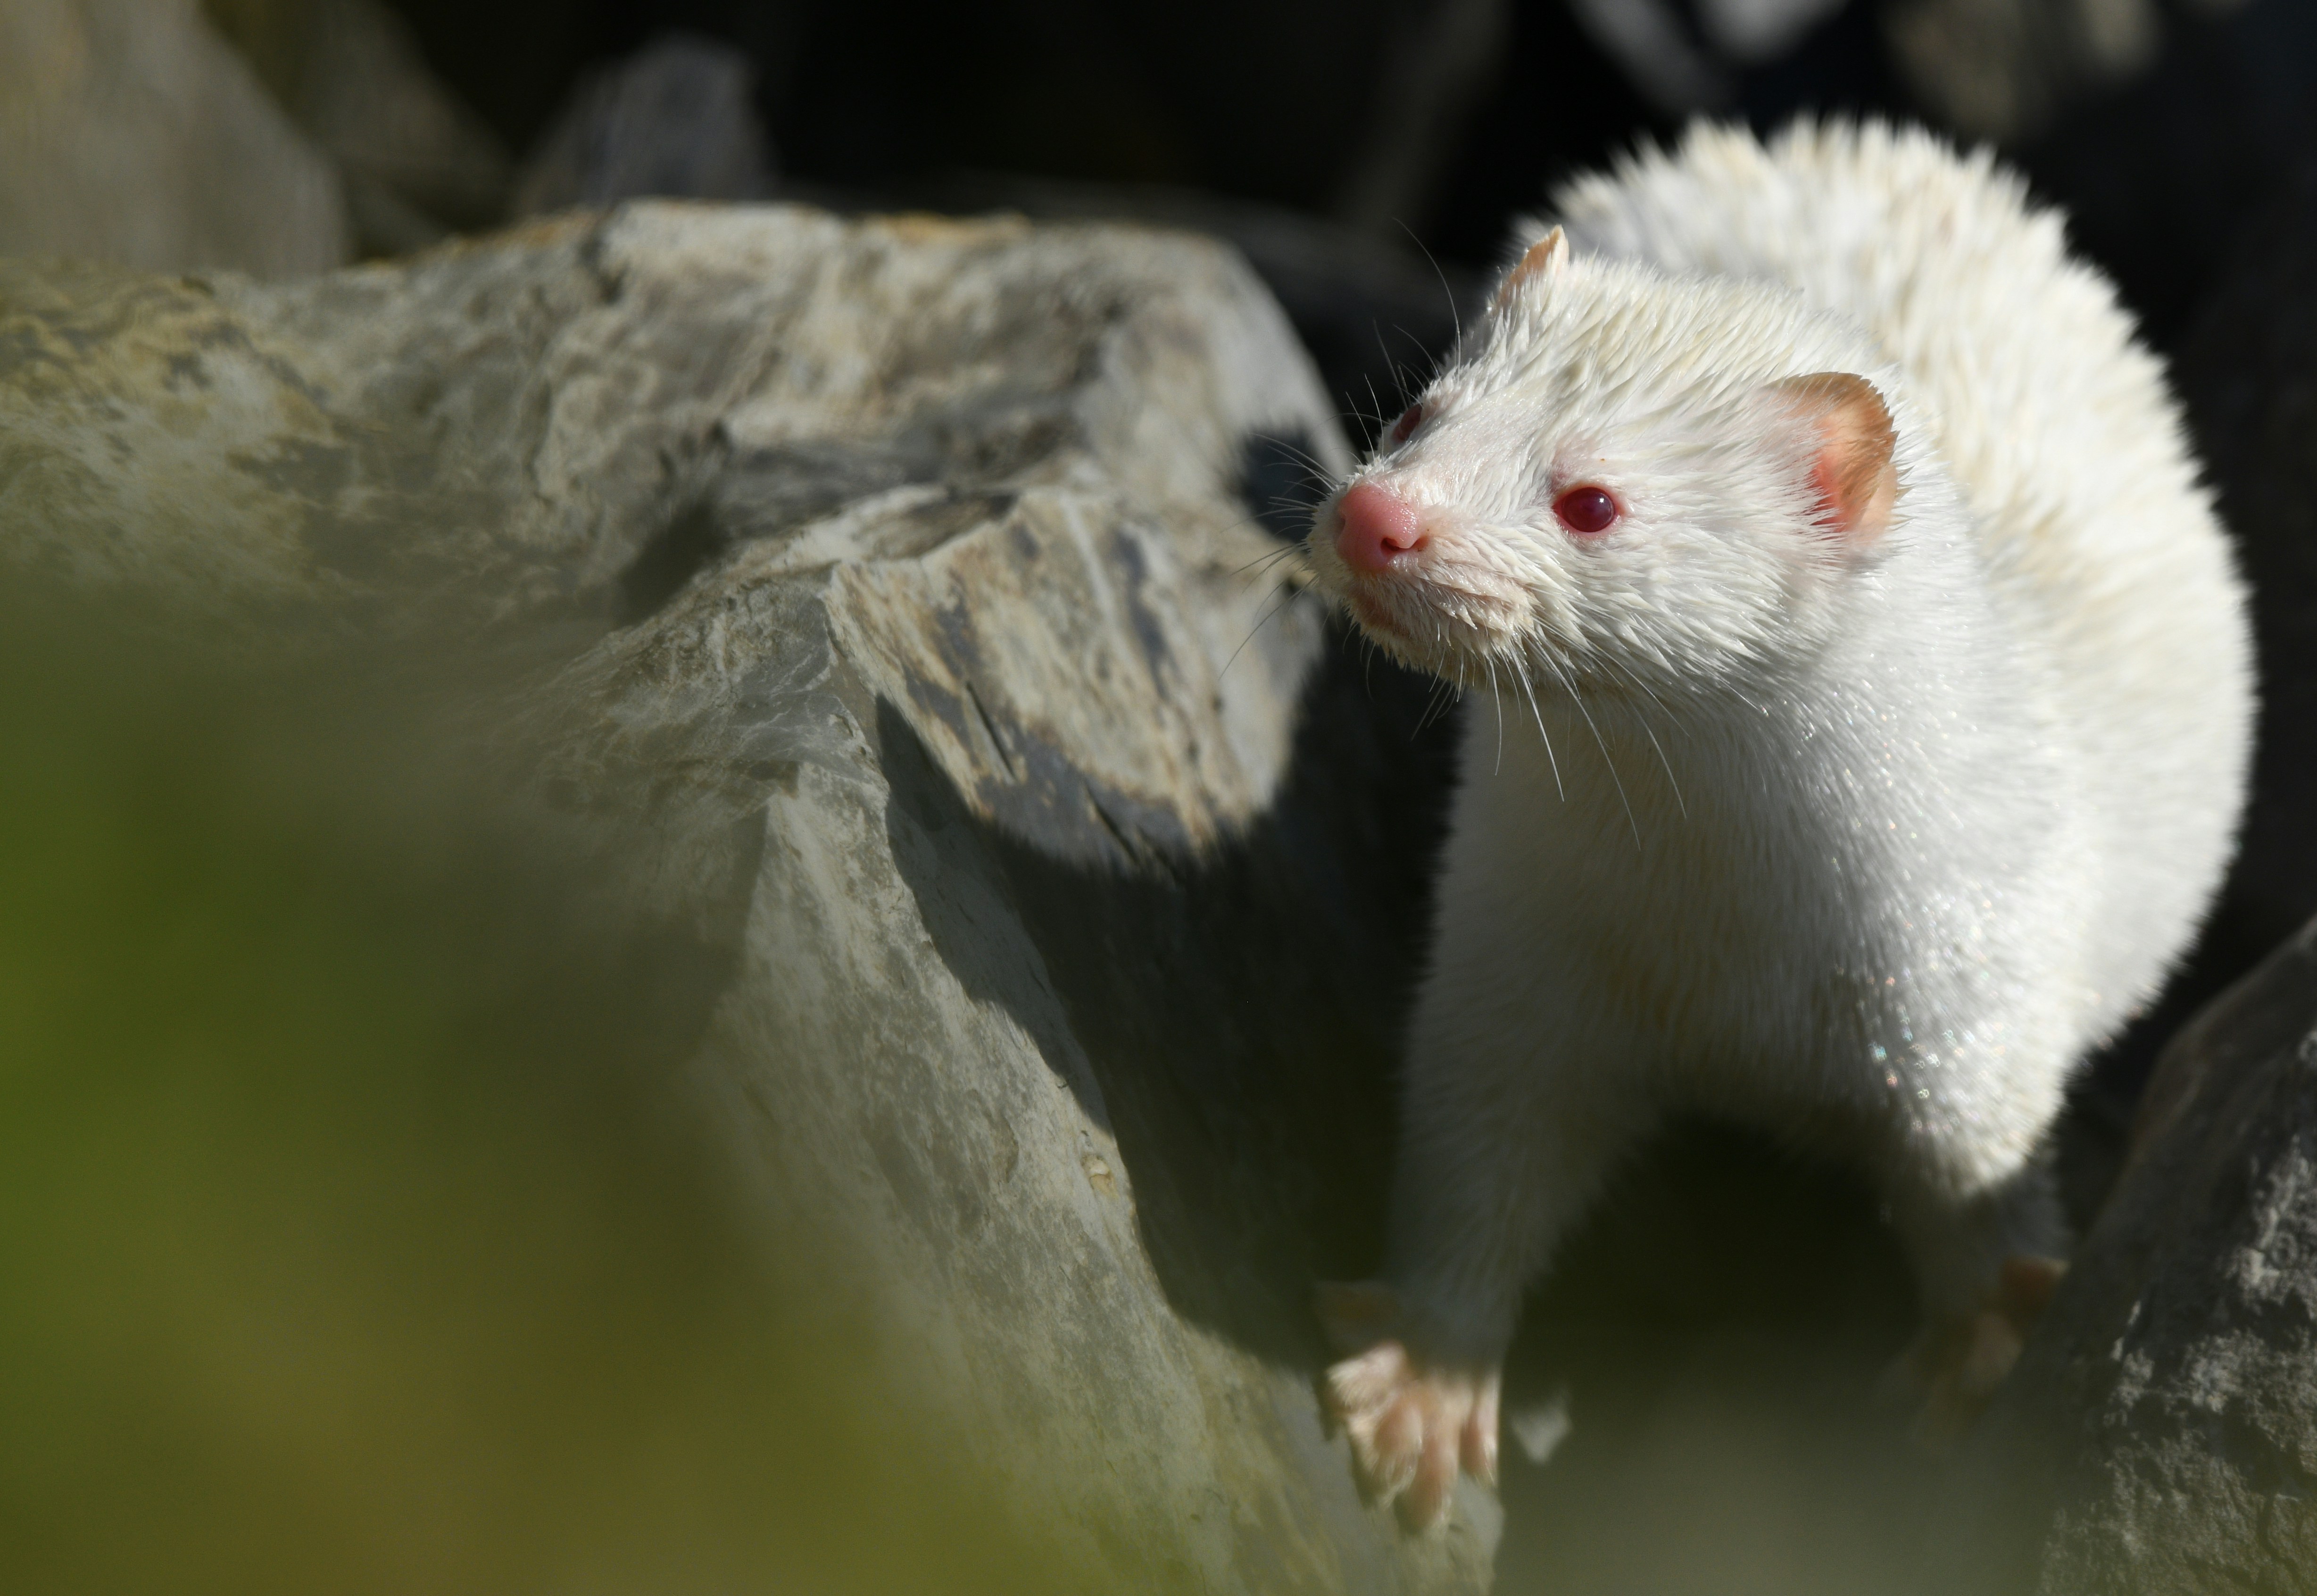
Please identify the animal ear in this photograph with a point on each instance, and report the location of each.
(1547, 255)
(1847, 440)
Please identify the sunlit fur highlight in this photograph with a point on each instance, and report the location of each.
(1865, 842)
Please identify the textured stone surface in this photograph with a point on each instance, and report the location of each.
(415, 163)
(2248, 369)
(676, 119)
(129, 132)
(2160, 1433)
(2002, 69)
(900, 638)
(1376, 314)
(2159, 175)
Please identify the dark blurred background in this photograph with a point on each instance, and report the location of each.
(2159, 124)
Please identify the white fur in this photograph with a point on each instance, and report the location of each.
(1866, 844)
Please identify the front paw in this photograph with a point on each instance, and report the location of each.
(1411, 1420)
(1952, 1370)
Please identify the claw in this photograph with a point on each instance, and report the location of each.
(2026, 1286)
(1479, 1438)
(1397, 1443)
(1433, 1477)
(1411, 1423)
(1952, 1368)
(1362, 1383)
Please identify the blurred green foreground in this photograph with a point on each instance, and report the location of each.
(351, 1240)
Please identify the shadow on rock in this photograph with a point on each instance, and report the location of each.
(1238, 1012)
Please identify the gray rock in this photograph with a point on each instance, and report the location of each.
(132, 133)
(417, 163)
(677, 119)
(1376, 313)
(2159, 175)
(2159, 1435)
(1440, 64)
(900, 639)
(2003, 70)
(2247, 371)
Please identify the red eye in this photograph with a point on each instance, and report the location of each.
(1585, 510)
(1410, 420)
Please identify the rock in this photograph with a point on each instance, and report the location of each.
(1440, 65)
(1677, 74)
(2159, 175)
(1757, 30)
(133, 134)
(1691, 59)
(2246, 367)
(900, 636)
(1375, 313)
(2159, 1435)
(2003, 70)
(417, 163)
(675, 121)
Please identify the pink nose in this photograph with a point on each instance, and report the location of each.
(1378, 526)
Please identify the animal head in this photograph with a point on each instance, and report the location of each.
(1626, 476)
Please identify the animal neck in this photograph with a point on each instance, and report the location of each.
(1884, 700)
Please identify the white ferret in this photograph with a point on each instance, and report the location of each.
(1866, 699)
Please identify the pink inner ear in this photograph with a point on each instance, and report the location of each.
(1851, 469)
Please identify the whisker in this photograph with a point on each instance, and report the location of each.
(1430, 359)
(1285, 593)
(1302, 456)
(1649, 731)
(1255, 521)
(1607, 757)
(1550, 758)
(1641, 683)
(1442, 692)
(1399, 378)
(1499, 699)
(1680, 807)
(1424, 717)
(1455, 318)
(1376, 403)
(1262, 562)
